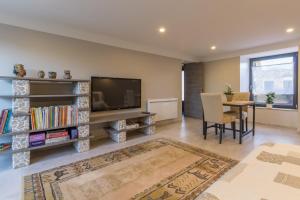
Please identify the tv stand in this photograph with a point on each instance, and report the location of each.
(116, 124)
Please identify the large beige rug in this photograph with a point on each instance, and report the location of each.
(270, 172)
(158, 169)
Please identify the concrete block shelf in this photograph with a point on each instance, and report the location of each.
(118, 127)
(20, 94)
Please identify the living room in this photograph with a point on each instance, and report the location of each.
(149, 100)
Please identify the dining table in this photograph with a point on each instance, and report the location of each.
(240, 105)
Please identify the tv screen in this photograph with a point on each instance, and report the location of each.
(115, 93)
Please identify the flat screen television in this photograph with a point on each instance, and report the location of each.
(115, 93)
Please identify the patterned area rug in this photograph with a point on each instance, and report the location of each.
(157, 169)
(270, 172)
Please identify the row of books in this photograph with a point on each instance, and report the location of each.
(50, 137)
(5, 121)
(53, 116)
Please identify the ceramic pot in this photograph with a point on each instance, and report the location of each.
(19, 70)
(269, 105)
(67, 74)
(41, 74)
(229, 97)
(52, 75)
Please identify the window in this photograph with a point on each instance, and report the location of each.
(268, 86)
(275, 74)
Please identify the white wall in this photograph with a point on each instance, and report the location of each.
(278, 117)
(161, 76)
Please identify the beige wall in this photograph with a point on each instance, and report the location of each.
(161, 76)
(218, 73)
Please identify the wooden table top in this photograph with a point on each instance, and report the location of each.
(238, 103)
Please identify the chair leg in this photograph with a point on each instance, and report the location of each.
(216, 129)
(243, 121)
(246, 121)
(223, 127)
(233, 129)
(204, 129)
(221, 134)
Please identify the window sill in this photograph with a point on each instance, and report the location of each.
(280, 109)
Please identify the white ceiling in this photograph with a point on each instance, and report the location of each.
(192, 25)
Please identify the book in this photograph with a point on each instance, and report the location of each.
(4, 146)
(56, 140)
(53, 116)
(3, 120)
(7, 126)
(73, 133)
(57, 135)
(37, 137)
(37, 143)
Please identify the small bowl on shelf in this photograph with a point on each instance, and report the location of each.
(52, 75)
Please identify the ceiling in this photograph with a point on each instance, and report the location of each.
(192, 26)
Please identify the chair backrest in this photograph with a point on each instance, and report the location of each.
(212, 107)
(240, 96)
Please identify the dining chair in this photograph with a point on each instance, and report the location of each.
(214, 113)
(240, 96)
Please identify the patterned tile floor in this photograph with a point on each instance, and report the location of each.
(188, 131)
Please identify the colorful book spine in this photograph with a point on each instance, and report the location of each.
(37, 143)
(57, 135)
(3, 120)
(53, 116)
(73, 133)
(7, 126)
(37, 137)
(55, 140)
(4, 146)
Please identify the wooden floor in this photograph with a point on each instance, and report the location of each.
(188, 131)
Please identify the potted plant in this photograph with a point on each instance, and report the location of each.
(270, 99)
(228, 92)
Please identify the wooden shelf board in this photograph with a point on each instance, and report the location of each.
(115, 117)
(44, 96)
(5, 134)
(41, 130)
(50, 145)
(42, 79)
(20, 114)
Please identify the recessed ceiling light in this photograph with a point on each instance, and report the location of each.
(290, 30)
(162, 29)
(213, 47)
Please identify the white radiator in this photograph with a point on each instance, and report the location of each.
(164, 108)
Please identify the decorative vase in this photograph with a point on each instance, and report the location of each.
(19, 70)
(229, 97)
(67, 74)
(269, 105)
(52, 75)
(41, 74)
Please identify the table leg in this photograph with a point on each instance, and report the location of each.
(203, 127)
(241, 123)
(253, 132)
